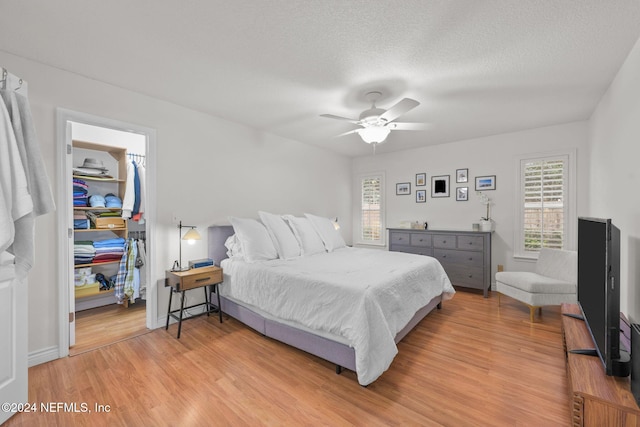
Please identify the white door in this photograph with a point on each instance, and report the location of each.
(13, 342)
(68, 190)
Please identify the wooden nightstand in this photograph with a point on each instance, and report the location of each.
(182, 281)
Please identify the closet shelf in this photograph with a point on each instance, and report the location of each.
(97, 178)
(96, 263)
(89, 208)
(93, 230)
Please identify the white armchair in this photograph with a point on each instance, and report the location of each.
(554, 281)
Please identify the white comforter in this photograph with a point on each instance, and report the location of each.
(366, 296)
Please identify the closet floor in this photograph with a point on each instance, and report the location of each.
(106, 325)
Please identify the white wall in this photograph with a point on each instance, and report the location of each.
(614, 140)
(208, 168)
(493, 155)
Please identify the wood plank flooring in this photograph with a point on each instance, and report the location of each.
(473, 363)
(106, 325)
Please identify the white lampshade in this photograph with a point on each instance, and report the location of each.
(373, 134)
(191, 236)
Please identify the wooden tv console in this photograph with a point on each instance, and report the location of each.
(596, 399)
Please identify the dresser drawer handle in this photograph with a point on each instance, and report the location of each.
(470, 258)
(203, 279)
(470, 276)
(421, 240)
(444, 256)
(399, 238)
(444, 241)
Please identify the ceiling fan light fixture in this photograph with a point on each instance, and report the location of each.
(374, 134)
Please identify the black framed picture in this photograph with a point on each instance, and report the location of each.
(440, 186)
(403, 188)
(487, 182)
(462, 175)
(421, 196)
(462, 194)
(421, 179)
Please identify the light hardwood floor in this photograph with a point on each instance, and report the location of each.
(106, 325)
(473, 363)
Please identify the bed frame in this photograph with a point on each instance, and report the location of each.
(340, 354)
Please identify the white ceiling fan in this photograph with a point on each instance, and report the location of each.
(377, 123)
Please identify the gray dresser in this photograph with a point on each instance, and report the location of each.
(465, 255)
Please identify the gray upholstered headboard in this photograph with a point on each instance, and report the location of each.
(218, 234)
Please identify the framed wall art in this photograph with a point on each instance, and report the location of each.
(440, 186)
(421, 196)
(462, 194)
(421, 179)
(462, 175)
(485, 183)
(403, 188)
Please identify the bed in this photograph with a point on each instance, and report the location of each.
(350, 306)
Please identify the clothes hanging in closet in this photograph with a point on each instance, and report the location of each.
(134, 201)
(128, 285)
(25, 190)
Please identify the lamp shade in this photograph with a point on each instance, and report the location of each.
(373, 134)
(191, 236)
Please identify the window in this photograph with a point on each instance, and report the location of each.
(371, 218)
(546, 204)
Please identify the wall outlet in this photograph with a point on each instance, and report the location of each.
(500, 267)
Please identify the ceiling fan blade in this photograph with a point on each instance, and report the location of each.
(408, 126)
(399, 109)
(348, 133)
(331, 116)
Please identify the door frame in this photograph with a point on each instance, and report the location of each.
(65, 257)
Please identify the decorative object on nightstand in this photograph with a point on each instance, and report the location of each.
(182, 281)
(190, 236)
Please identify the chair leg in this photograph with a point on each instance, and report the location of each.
(532, 311)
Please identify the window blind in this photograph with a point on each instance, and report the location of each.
(544, 204)
(371, 218)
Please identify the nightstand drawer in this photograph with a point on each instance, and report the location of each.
(196, 280)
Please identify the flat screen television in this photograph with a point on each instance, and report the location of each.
(599, 292)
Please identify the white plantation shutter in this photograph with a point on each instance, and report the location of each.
(371, 221)
(544, 203)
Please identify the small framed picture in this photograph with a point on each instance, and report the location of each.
(421, 179)
(462, 194)
(421, 196)
(403, 188)
(440, 186)
(462, 175)
(485, 183)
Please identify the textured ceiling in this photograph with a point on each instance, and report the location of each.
(477, 67)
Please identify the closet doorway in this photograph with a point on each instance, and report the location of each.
(109, 209)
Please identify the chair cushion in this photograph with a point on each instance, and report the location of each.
(535, 283)
(558, 263)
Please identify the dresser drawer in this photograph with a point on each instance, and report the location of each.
(450, 257)
(400, 238)
(474, 243)
(444, 241)
(419, 250)
(420, 239)
(467, 277)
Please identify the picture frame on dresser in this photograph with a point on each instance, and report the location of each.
(403, 188)
(440, 186)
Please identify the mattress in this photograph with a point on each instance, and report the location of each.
(362, 297)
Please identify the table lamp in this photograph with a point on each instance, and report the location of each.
(190, 236)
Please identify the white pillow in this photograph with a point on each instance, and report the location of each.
(254, 239)
(309, 239)
(330, 236)
(283, 238)
(234, 247)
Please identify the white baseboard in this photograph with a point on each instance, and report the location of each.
(43, 356)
